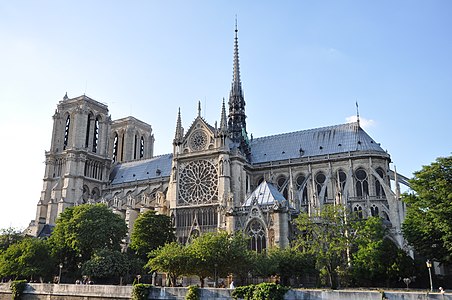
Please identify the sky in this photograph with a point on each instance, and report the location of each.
(304, 64)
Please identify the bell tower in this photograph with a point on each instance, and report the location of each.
(77, 164)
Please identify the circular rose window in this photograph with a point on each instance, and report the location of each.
(198, 182)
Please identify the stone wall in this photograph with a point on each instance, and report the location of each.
(37, 291)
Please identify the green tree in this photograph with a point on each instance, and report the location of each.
(328, 238)
(107, 266)
(290, 263)
(82, 230)
(428, 223)
(151, 231)
(171, 258)
(212, 253)
(8, 237)
(378, 261)
(29, 258)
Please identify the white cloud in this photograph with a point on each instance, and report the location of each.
(364, 123)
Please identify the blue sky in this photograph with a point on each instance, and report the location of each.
(304, 64)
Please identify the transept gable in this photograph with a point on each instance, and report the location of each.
(200, 136)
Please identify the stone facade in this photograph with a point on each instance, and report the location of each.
(217, 178)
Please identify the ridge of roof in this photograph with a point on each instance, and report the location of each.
(307, 130)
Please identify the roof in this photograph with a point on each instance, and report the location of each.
(158, 166)
(265, 194)
(335, 139)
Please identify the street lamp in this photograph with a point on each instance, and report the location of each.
(138, 277)
(429, 266)
(59, 274)
(215, 276)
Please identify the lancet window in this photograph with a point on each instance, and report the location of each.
(96, 135)
(320, 180)
(256, 232)
(66, 132)
(282, 186)
(362, 185)
(379, 191)
(302, 191)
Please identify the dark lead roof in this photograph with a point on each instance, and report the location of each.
(313, 142)
(158, 166)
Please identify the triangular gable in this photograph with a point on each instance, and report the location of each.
(265, 194)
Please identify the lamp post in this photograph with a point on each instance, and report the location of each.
(429, 266)
(215, 276)
(59, 274)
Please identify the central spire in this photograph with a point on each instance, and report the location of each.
(237, 116)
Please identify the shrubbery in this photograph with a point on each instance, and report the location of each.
(263, 291)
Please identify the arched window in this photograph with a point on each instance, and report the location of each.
(359, 211)
(115, 148)
(320, 179)
(379, 191)
(256, 232)
(88, 127)
(362, 185)
(135, 144)
(374, 211)
(66, 132)
(282, 185)
(96, 135)
(342, 180)
(302, 191)
(142, 147)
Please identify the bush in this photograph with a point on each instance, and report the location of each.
(263, 291)
(18, 288)
(193, 293)
(140, 291)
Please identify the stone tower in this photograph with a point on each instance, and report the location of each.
(77, 165)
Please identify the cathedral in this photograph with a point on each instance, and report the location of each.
(217, 177)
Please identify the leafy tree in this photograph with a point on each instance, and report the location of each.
(171, 258)
(289, 263)
(378, 260)
(27, 259)
(151, 231)
(8, 237)
(428, 223)
(209, 255)
(82, 230)
(212, 253)
(106, 265)
(328, 237)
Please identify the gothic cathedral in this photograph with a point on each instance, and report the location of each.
(217, 178)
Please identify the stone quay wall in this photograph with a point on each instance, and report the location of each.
(36, 291)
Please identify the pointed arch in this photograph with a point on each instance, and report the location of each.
(258, 239)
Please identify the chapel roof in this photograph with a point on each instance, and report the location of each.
(265, 194)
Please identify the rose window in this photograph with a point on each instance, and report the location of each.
(198, 183)
(198, 140)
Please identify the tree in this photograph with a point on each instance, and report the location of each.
(171, 258)
(27, 259)
(290, 263)
(212, 253)
(151, 231)
(106, 265)
(377, 260)
(428, 223)
(8, 237)
(82, 230)
(327, 237)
